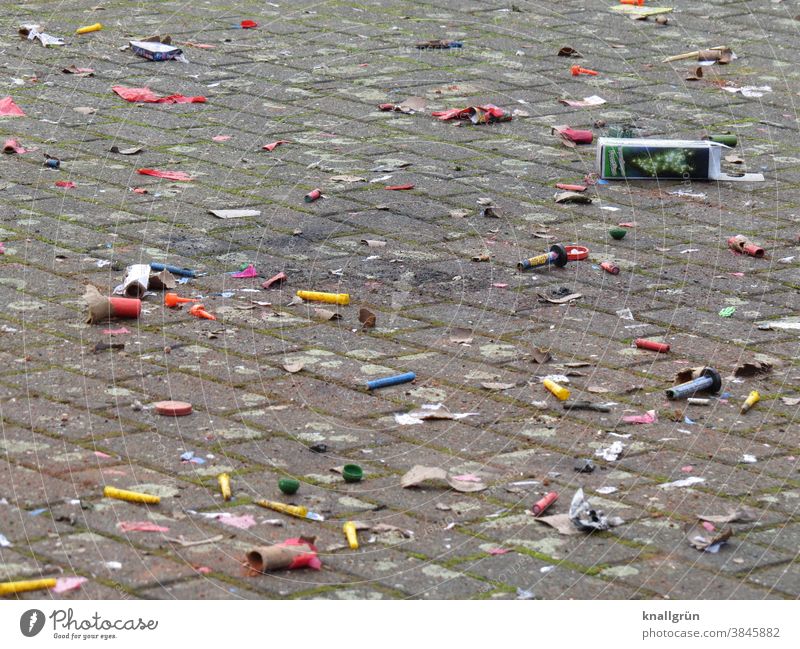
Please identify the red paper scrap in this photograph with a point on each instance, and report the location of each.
(147, 96)
(139, 190)
(278, 279)
(396, 188)
(169, 175)
(64, 584)
(9, 109)
(248, 24)
(272, 145)
(115, 332)
(12, 146)
(247, 273)
(649, 417)
(571, 188)
(221, 138)
(141, 526)
(66, 184)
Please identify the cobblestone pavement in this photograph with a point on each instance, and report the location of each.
(312, 73)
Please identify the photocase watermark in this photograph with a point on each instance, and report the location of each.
(67, 627)
(31, 622)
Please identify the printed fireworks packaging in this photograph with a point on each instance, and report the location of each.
(646, 159)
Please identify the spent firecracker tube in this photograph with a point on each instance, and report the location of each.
(131, 496)
(610, 267)
(752, 399)
(224, 481)
(544, 503)
(350, 533)
(342, 299)
(661, 348)
(391, 380)
(558, 391)
(709, 381)
(556, 257)
(11, 587)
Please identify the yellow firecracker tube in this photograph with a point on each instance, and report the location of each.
(224, 485)
(89, 28)
(351, 534)
(11, 587)
(752, 399)
(131, 496)
(558, 391)
(330, 298)
(292, 510)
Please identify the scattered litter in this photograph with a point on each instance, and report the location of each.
(419, 474)
(486, 114)
(610, 453)
(650, 417)
(9, 109)
(586, 102)
(235, 213)
(272, 145)
(181, 176)
(686, 482)
(140, 526)
(66, 584)
(290, 554)
(429, 412)
(705, 543)
(147, 96)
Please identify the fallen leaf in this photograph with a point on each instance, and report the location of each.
(458, 214)
(482, 257)
(596, 389)
(571, 52)
(497, 386)
(734, 159)
(366, 318)
(461, 336)
(741, 515)
(572, 197)
(541, 356)
(131, 151)
(344, 178)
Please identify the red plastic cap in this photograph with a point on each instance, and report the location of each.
(173, 408)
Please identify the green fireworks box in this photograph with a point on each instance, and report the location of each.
(646, 159)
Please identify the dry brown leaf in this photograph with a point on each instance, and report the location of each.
(345, 178)
(482, 257)
(596, 389)
(541, 356)
(734, 159)
(366, 318)
(498, 386)
(461, 336)
(572, 197)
